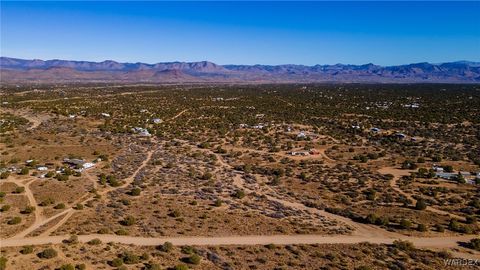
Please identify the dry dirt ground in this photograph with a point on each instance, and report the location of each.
(187, 199)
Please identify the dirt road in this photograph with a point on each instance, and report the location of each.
(435, 242)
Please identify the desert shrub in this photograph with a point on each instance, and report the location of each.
(94, 241)
(130, 258)
(135, 191)
(47, 202)
(422, 227)
(103, 231)
(19, 190)
(14, 221)
(28, 210)
(24, 171)
(48, 253)
(67, 267)
(188, 250)
(181, 267)
(26, 250)
(152, 266)
(121, 232)
(439, 228)
(239, 194)
(3, 263)
(61, 177)
(117, 262)
(218, 203)
(474, 244)
(270, 246)
(174, 213)
(4, 175)
(421, 205)
(405, 224)
(128, 221)
(403, 245)
(73, 239)
(166, 247)
(5, 208)
(193, 259)
(78, 206)
(81, 266)
(59, 206)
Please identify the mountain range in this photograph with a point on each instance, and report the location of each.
(14, 70)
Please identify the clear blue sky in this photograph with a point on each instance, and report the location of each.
(385, 33)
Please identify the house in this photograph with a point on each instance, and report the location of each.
(301, 135)
(105, 114)
(304, 153)
(79, 164)
(157, 120)
(375, 129)
(71, 116)
(400, 135)
(437, 168)
(42, 168)
(141, 131)
(88, 165)
(355, 126)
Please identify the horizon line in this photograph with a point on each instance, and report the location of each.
(208, 61)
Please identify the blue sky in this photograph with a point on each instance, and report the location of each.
(385, 33)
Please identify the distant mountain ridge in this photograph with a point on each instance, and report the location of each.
(14, 70)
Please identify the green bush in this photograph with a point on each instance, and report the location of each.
(403, 245)
(421, 205)
(95, 241)
(422, 227)
(67, 267)
(28, 210)
(152, 266)
(59, 206)
(117, 262)
(166, 247)
(193, 259)
(239, 194)
(48, 253)
(3, 263)
(14, 221)
(130, 258)
(26, 250)
(474, 244)
(135, 191)
(19, 190)
(128, 221)
(405, 224)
